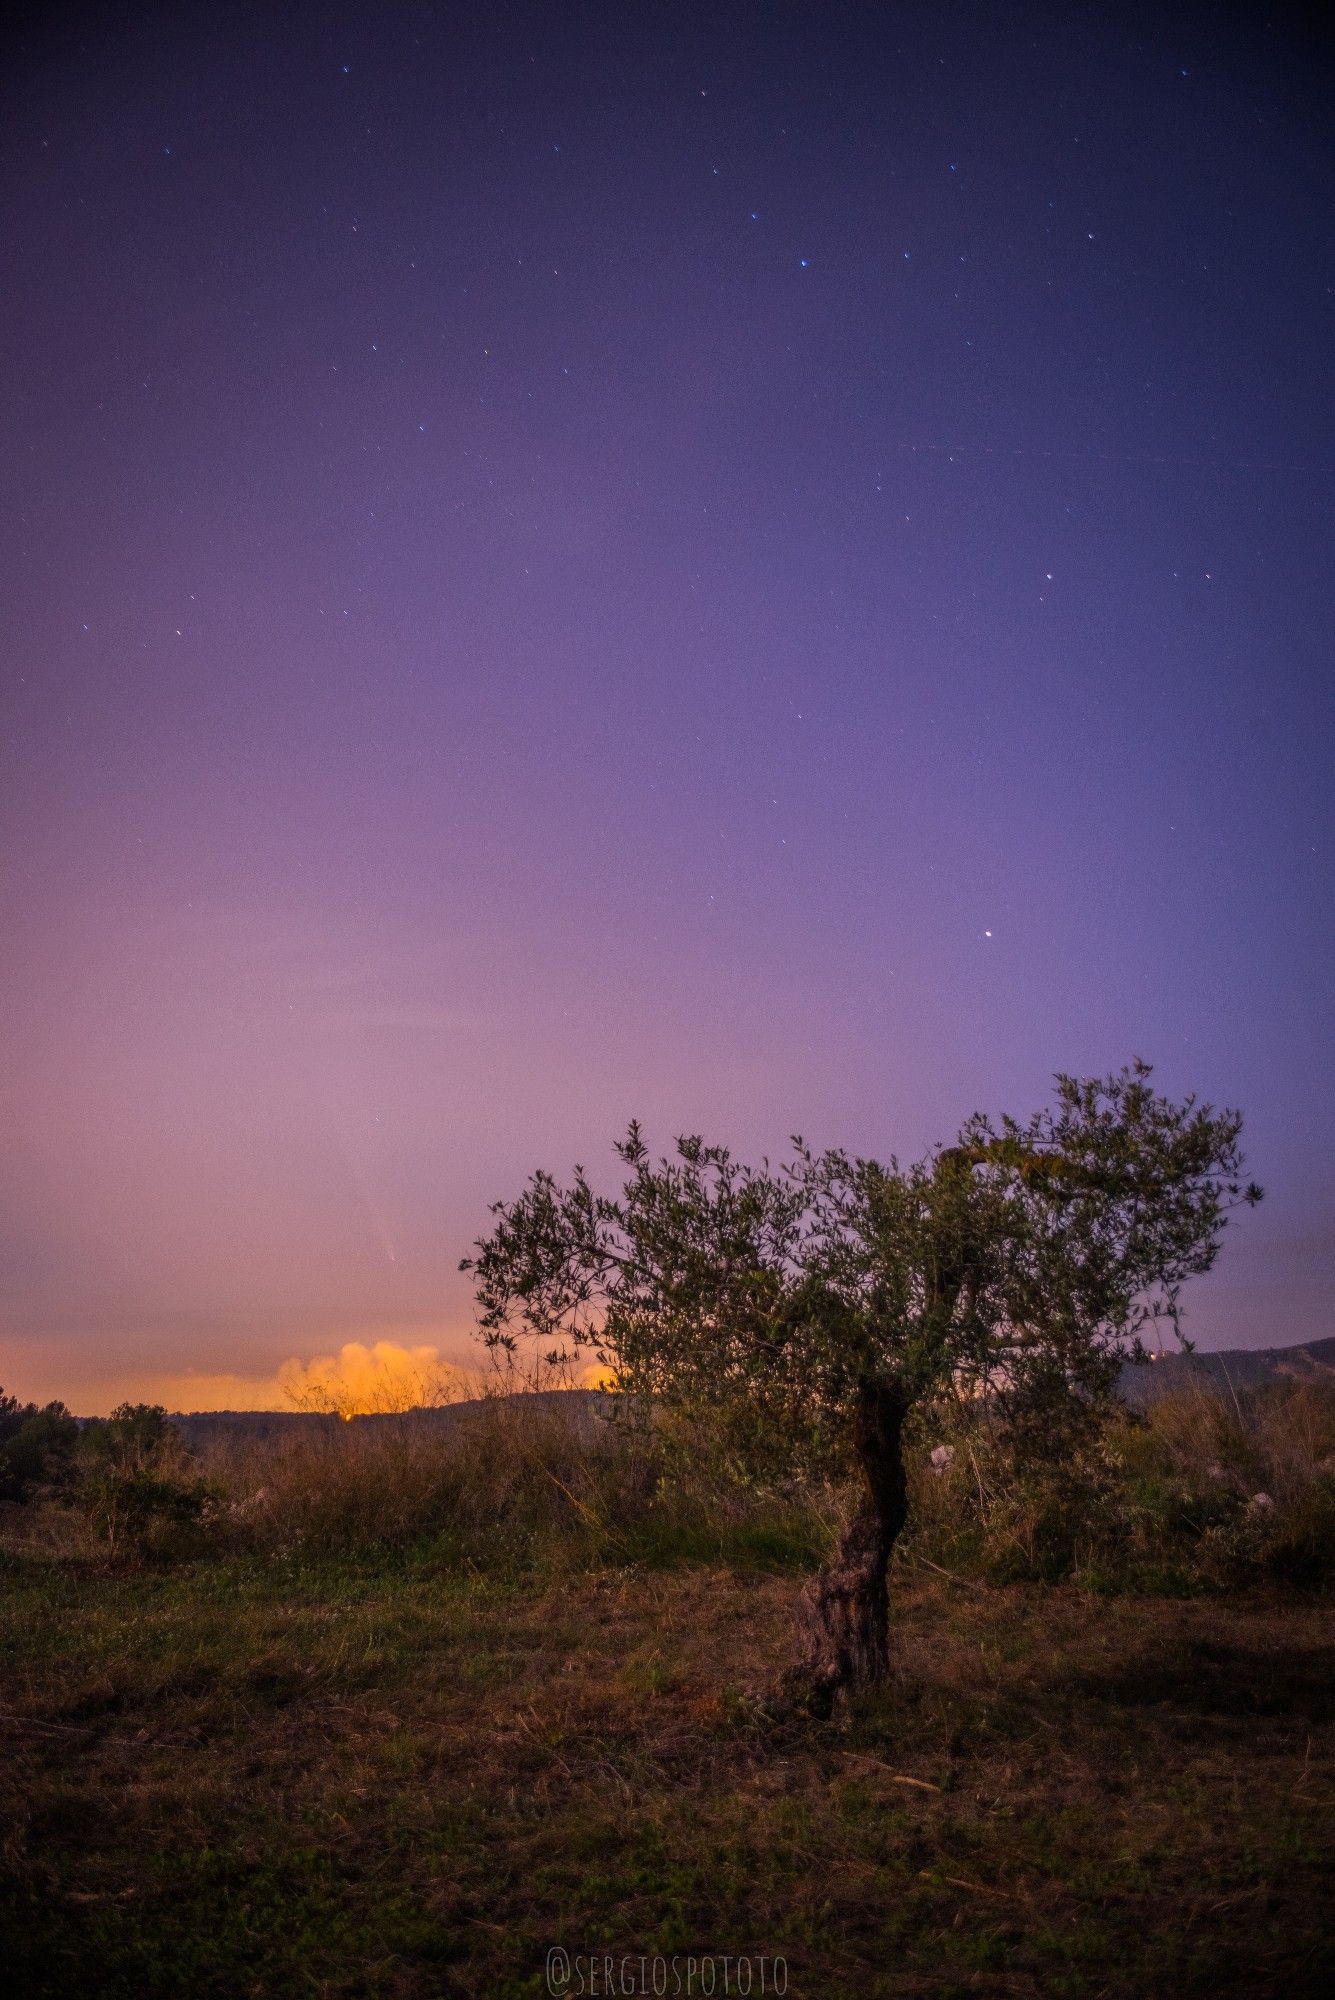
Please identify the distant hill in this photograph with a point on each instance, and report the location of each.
(1235, 1367)
(211, 1427)
(1232, 1368)
(200, 1427)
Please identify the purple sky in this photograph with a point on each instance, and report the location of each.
(763, 569)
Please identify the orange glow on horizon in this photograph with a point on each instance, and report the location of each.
(384, 1372)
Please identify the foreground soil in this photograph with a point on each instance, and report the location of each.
(391, 1779)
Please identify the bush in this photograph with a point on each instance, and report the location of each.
(130, 1505)
(136, 1485)
(1244, 1485)
(1198, 1492)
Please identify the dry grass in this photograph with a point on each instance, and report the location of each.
(1279, 1440)
(513, 1480)
(531, 1466)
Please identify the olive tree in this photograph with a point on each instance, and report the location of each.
(830, 1294)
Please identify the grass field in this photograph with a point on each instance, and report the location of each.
(393, 1774)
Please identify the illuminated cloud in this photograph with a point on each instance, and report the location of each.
(360, 1379)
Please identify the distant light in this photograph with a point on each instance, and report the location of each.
(987, 933)
(804, 262)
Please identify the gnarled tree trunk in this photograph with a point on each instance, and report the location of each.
(843, 1614)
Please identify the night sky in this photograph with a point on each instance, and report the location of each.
(765, 569)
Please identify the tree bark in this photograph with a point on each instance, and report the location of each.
(843, 1614)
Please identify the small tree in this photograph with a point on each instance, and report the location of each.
(831, 1294)
(36, 1446)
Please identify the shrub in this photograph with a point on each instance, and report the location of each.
(1200, 1491)
(129, 1505)
(136, 1485)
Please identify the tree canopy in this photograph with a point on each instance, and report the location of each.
(1055, 1242)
